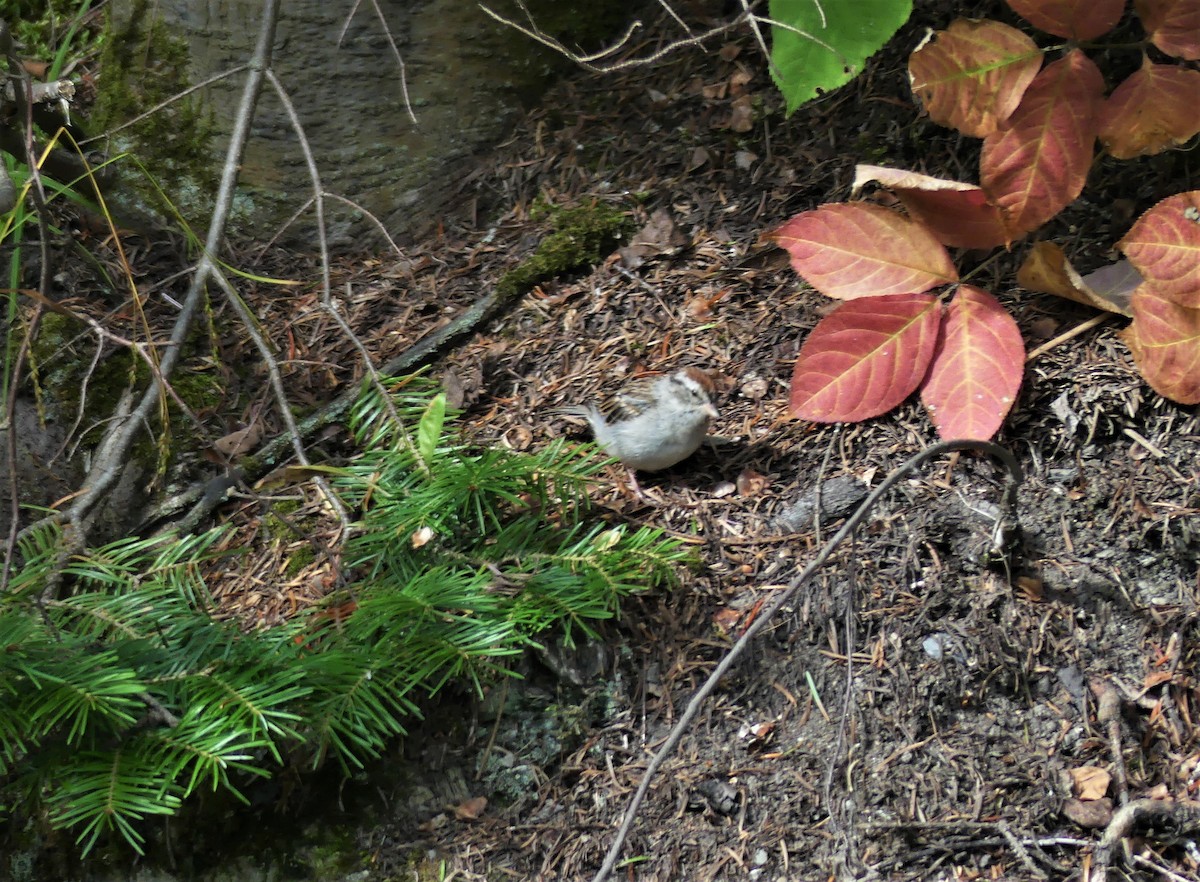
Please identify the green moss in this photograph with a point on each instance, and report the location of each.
(53, 30)
(63, 367)
(303, 557)
(278, 522)
(200, 390)
(143, 66)
(66, 381)
(287, 506)
(331, 854)
(582, 236)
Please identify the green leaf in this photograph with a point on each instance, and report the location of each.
(429, 430)
(819, 45)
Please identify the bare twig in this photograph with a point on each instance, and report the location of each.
(593, 61)
(325, 194)
(1108, 714)
(1015, 477)
(22, 88)
(420, 353)
(215, 78)
(387, 33)
(1182, 816)
(107, 468)
(1162, 871)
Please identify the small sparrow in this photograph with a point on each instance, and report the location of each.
(654, 422)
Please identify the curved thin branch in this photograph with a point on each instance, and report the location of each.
(1015, 477)
(1182, 816)
(592, 61)
(107, 468)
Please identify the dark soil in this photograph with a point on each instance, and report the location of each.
(918, 712)
(915, 713)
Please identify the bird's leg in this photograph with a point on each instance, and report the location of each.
(633, 484)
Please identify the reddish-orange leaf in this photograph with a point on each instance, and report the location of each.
(1046, 269)
(855, 249)
(865, 357)
(972, 75)
(1164, 338)
(1173, 25)
(976, 369)
(1073, 19)
(1153, 110)
(1036, 165)
(958, 214)
(1164, 245)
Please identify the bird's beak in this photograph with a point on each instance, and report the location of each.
(709, 411)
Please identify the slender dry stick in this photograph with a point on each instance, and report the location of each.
(20, 82)
(325, 194)
(590, 61)
(140, 350)
(327, 291)
(107, 469)
(264, 350)
(168, 102)
(1181, 816)
(1008, 504)
(387, 33)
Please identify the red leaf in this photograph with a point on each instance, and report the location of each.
(1152, 111)
(1164, 245)
(1036, 165)
(958, 215)
(1073, 19)
(976, 369)
(1173, 25)
(1164, 338)
(865, 357)
(972, 75)
(855, 249)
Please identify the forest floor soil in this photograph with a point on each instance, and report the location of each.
(916, 712)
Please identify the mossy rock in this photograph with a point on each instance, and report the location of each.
(168, 168)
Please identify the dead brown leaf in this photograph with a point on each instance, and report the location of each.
(1031, 588)
(725, 619)
(456, 393)
(659, 236)
(1089, 815)
(1089, 782)
(741, 119)
(751, 483)
(471, 809)
(239, 442)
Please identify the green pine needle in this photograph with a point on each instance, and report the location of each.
(125, 696)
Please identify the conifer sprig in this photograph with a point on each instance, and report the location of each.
(129, 692)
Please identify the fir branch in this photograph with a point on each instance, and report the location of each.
(124, 696)
(105, 791)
